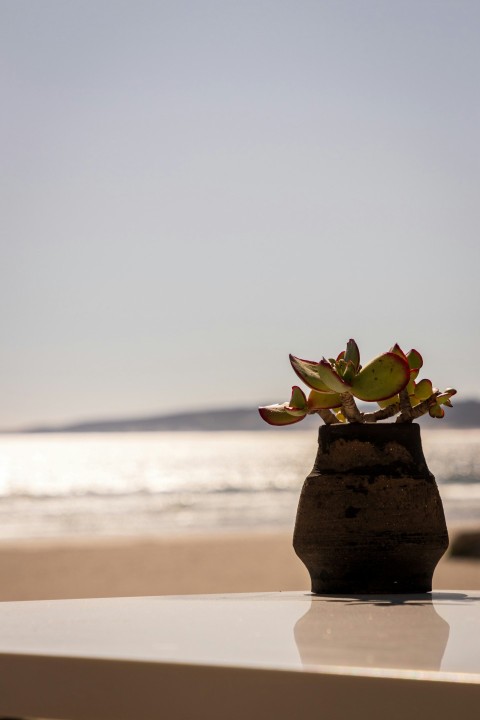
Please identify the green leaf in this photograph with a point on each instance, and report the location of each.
(444, 398)
(280, 414)
(388, 401)
(436, 412)
(323, 401)
(415, 360)
(298, 401)
(330, 378)
(308, 372)
(339, 366)
(423, 389)
(411, 386)
(382, 378)
(352, 354)
(349, 373)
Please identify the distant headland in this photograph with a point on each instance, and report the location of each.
(465, 414)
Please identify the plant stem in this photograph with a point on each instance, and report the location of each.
(424, 406)
(381, 414)
(405, 407)
(350, 409)
(328, 417)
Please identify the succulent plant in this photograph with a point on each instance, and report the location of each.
(389, 380)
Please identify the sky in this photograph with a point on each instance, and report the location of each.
(193, 189)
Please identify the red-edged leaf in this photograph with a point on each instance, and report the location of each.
(298, 400)
(415, 360)
(307, 370)
(397, 350)
(382, 378)
(280, 415)
(330, 378)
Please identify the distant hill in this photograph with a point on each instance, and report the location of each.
(204, 420)
(465, 414)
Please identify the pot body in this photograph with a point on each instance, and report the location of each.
(370, 518)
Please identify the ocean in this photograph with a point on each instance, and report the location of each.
(153, 483)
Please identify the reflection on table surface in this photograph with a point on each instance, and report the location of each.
(372, 632)
(436, 632)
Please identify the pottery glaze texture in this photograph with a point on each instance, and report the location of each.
(370, 518)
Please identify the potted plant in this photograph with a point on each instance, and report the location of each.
(370, 518)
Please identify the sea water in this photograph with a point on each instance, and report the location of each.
(149, 483)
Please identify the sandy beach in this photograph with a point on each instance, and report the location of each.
(174, 564)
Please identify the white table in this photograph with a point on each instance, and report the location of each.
(280, 656)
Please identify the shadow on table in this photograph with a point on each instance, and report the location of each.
(389, 600)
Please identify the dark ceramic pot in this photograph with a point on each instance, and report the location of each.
(370, 518)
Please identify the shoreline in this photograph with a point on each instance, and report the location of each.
(260, 560)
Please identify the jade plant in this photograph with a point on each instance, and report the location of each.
(390, 380)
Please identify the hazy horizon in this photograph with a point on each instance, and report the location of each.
(192, 190)
(453, 419)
